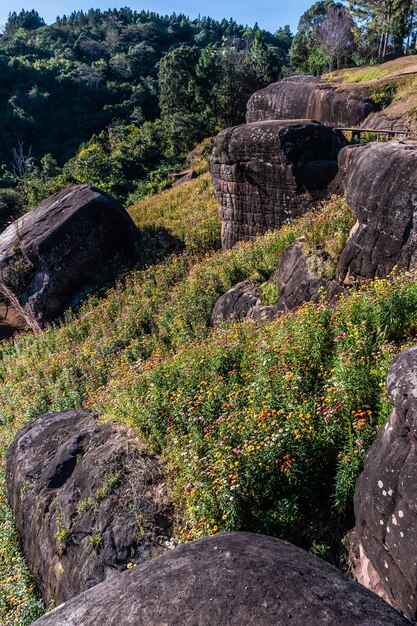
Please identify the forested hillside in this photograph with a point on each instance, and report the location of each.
(112, 74)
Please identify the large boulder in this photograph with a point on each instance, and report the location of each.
(49, 255)
(381, 183)
(384, 541)
(87, 499)
(267, 173)
(308, 98)
(231, 579)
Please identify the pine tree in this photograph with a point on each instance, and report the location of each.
(386, 22)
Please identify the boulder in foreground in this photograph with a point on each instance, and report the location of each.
(231, 579)
(384, 541)
(87, 499)
(49, 255)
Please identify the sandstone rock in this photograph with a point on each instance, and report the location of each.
(231, 579)
(241, 301)
(297, 281)
(179, 178)
(51, 253)
(381, 121)
(381, 182)
(87, 500)
(10, 321)
(308, 98)
(266, 174)
(386, 496)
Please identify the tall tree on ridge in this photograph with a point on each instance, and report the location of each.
(387, 22)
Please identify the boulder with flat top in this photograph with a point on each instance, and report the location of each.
(268, 173)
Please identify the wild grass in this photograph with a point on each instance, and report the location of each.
(264, 428)
(188, 213)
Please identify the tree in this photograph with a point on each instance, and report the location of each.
(28, 20)
(384, 25)
(335, 35)
(305, 45)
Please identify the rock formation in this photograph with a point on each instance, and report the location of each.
(51, 253)
(381, 183)
(241, 301)
(231, 579)
(384, 541)
(308, 98)
(267, 173)
(10, 321)
(87, 498)
(297, 281)
(381, 121)
(179, 178)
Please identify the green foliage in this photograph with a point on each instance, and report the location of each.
(19, 604)
(306, 54)
(62, 83)
(383, 27)
(12, 206)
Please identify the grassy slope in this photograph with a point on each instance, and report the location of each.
(247, 417)
(392, 84)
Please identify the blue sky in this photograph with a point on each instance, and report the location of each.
(270, 14)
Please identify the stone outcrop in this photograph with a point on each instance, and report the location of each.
(87, 498)
(381, 183)
(297, 281)
(179, 178)
(241, 301)
(308, 98)
(10, 321)
(384, 540)
(382, 121)
(50, 255)
(236, 579)
(268, 173)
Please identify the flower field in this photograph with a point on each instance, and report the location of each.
(264, 428)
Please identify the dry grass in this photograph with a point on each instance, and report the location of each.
(188, 212)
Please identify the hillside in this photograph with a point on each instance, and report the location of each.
(241, 413)
(392, 85)
(224, 364)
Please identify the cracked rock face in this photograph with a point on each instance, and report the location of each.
(308, 98)
(49, 255)
(297, 281)
(241, 301)
(268, 173)
(381, 183)
(87, 499)
(238, 579)
(386, 496)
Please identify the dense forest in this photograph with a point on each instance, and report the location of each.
(146, 87)
(117, 98)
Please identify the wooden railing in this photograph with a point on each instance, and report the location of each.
(380, 134)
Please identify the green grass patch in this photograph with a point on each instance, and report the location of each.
(349, 76)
